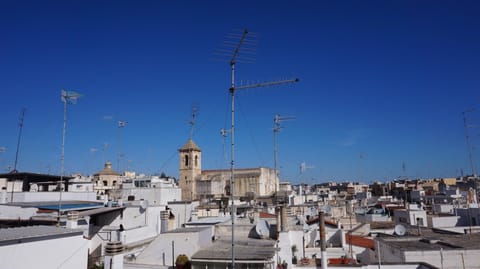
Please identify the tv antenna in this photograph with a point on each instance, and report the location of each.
(277, 120)
(467, 138)
(304, 167)
(121, 125)
(233, 88)
(192, 121)
(20, 128)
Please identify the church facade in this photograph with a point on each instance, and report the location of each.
(198, 184)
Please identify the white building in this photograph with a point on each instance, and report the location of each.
(42, 247)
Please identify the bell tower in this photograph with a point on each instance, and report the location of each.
(190, 169)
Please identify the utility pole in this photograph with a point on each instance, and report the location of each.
(232, 91)
(276, 128)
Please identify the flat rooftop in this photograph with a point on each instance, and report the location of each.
(435, 241)
(9, 236)
(250, 249)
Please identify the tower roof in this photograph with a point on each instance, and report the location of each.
(107, 171)
(190, 145)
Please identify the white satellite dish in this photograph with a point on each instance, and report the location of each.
(263, 229)
(306, 227)
(327, 209)
(144, 204)
(400, 230)
(34, 187)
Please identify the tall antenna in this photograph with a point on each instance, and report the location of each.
(20, 127)
(192, 121)
(121, 125)
(67, 97)
(304, 167)
(467, 138)
(362, 165)
(276, 128)
(232, 90)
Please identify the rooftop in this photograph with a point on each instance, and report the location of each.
(25, 234)
(250, 249)
(434, 241)
(190, 145)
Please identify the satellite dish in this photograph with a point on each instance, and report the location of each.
(144, 204)
(327, 209)
(34, 187)
(306, 228)
(400, 230)
(263, 229)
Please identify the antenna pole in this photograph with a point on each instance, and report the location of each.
(20, 127)
(232, 164)
(467, 137)
(276, 128)
(62, 169)
(232, 90)
(118, 147)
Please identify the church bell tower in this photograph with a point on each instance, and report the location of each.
(190, 169)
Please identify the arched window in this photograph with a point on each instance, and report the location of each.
(186, 160)
(227, 190)
(196, 160)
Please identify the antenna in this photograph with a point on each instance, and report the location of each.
(20, 127)
(104, 148)
(362, 164)
(67, 97)
(232, 90)
(276, 128)
(304, 167)
(192, 121)
(121, 124)
(467, 138)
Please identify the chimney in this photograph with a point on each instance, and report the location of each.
(323, 242)
(72, 220)
(114, 255)
(164, 221)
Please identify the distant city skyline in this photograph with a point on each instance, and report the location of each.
(383, 86)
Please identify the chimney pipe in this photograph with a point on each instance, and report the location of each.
(323, 243)
(114, 255)
(164, 221)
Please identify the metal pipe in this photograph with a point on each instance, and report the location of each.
(323, 243)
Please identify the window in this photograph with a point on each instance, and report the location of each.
(186, 160)
(196, 160)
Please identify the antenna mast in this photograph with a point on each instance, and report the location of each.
(232, 90)
(192, 121)
(276, 128)
(467, 137)
(20, 127)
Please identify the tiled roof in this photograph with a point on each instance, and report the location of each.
(189, 146)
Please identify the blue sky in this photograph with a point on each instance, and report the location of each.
(386, 80)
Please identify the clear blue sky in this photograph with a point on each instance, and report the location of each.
(386, 80)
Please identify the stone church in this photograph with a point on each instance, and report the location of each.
(198, 184)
